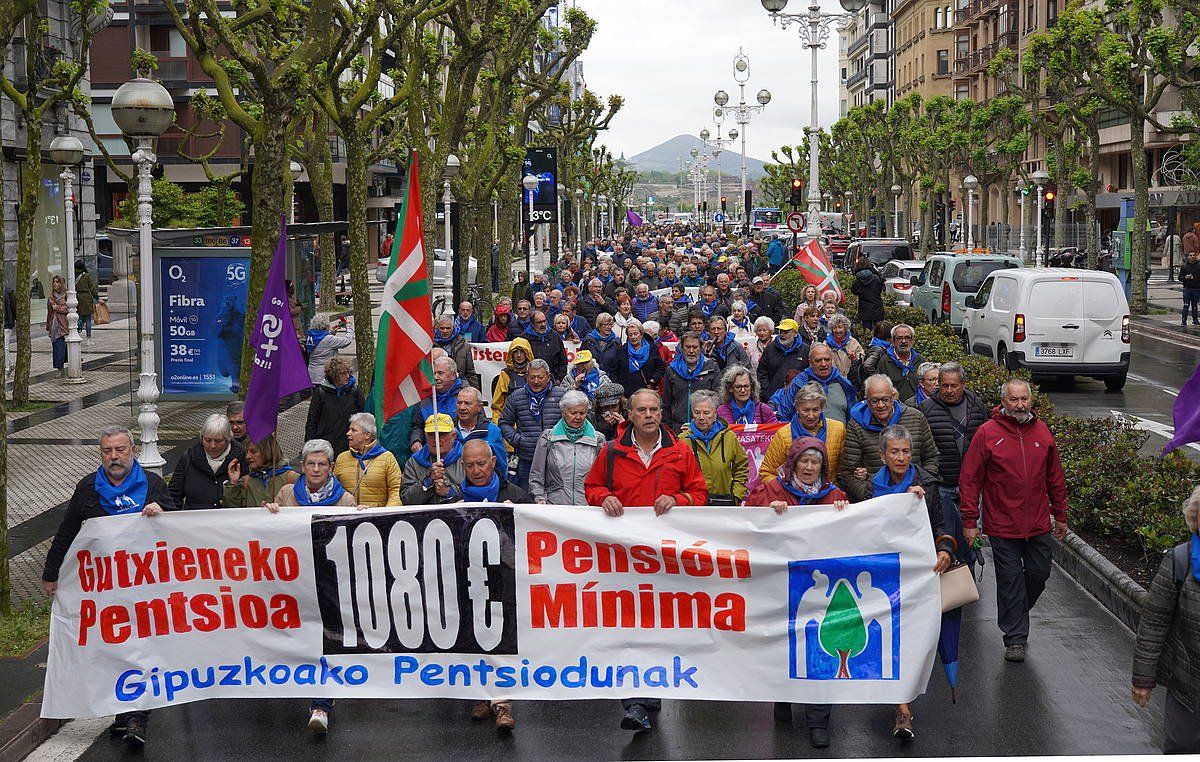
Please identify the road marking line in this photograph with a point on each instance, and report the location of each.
(1143, 424)
(71, 740)
(1168, 389)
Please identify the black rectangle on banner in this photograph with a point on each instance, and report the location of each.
(542, 163)
(430, 581)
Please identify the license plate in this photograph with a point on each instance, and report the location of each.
(1053, 350)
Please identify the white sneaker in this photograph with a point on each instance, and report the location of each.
(318, 721)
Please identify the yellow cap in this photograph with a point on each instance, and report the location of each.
(440, 424)
(788, 325)
(583, 356)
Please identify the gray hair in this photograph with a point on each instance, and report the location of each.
(879, 378)
(925, 367)
(652, 328)
(235, 407)
(1191, 510)
(538, 364)
(731, 375)
(596, 281)
(604, 317)
(646, 390)
(216, 426)
(635, 323)
(1004, 386)
(705, 395)
(314, 446)
(818, 346)
(447, 361)
(764, 320)
(896, 433)
(114, 431)
(319, 322)
(470, 390)
(573, 398)
(810, 393)
(839, 319)
(898, 326)
(366, 422)
(952, 367)
(443, 319)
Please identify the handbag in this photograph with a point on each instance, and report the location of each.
(958, 583)
(100, 315)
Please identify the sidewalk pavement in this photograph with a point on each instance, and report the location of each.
(1166, 296)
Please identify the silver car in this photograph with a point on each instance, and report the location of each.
(441, 268)
(897, 279)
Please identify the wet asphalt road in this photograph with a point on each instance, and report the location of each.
(1071, 696)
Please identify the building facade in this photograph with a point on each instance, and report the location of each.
(870, 61)
(924, 48)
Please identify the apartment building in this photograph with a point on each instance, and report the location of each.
(924, 31)
(869, 73)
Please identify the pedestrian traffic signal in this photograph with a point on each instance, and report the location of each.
(796, 199)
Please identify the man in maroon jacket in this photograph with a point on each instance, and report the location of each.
(1013, 468)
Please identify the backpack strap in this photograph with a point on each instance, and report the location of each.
(1181, 563)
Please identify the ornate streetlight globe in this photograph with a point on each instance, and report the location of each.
(705, 134)
(602, 199)
(970, 182)
(453, 165)
(1041, 177)
(718, 114)
(296, 170)
(896, 190)
(721, 98)
(853, 6)
(66, 150)
(693, 152)
(764, 97)
(142, 108)
(529, 183)
(733, 134)
(774, 6)
(579, 193)
(741, 64)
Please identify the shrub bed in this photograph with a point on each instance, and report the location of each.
(1116, 493)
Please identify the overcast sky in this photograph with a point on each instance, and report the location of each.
(668, 57)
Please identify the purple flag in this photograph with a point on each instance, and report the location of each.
(279, 367)
(633, 218)
(1187, 414)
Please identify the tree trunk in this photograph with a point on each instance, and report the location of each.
(1141, 215)
(475, 240)
(31, 181)
(357, 145)
(320, 179)
(1093, 187)
(510, 224)
(985, 198)
(5, 577)
(1062, 186)
(267, 185)
(1005, 208)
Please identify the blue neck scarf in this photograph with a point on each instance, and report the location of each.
(680, 366)
(313, 338)
(834, 344)
(267, 474)
(920, 396)
(426, 456)
(375, 451)
(876, 342)
(883, 481)
(708, 308)
(347, 387)
(745, 324)
(861, 412)
(637, 355)
(707, 437)
(488, 493)
(795, 346)
(722, 351)
(805, 498)
(445, 342)
(743, 413)
(595, 335)
(461, 327)
(534, 334)
(798, 429)
(905, 367)
(590, 381)
(1196, 556)
(330, 494)
(682, 301)
(128, 497)
(536, 399)
(447, 401)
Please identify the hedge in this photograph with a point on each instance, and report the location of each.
(1113, 490)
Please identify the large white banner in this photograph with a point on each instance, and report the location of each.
(496, 601)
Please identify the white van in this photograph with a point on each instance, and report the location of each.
(1052, 320)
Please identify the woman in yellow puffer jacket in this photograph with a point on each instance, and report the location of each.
(367, 471)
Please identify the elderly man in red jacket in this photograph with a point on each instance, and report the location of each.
(1013, 468)
(646, 465)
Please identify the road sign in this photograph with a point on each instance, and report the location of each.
(795, 222)
(718, 217)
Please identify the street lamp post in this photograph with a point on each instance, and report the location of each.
(495, 220)
(970, 182)
(814, 33)
(67, 151)
(742, 112)
(453, 165)
(558, 199)
(1040, 178)
(294, 172)
(603, 201)
(578, 229)
(143, 110)
(1021, 188)
(849, 195)
(530, 184)
(828, 201)
(896, 210)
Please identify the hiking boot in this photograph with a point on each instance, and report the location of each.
(318, 721)
(504, 718)
(118, 726)
(135, 732)
(818, 738)
(903, 727)
(481, 710)
(1014, 653)
(636, 718)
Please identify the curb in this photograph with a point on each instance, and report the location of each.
(24, 730)
(1113, 588)
(1167, 334)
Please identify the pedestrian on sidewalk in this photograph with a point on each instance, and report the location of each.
(119, 487)
(1013, 474)
(1168, 639)
(1189, 276)
(88, 294)
(56, 323)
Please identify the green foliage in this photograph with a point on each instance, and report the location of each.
(24, 628)
(175, 207)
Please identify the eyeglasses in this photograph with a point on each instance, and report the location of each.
(879, 400)
(741, 387)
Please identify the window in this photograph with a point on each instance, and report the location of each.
(1030, 15)
(943, 62)
(937, 271)
(969, 274)
(1051, 12)
(1006, 292)
(937, 18)
(981, 298)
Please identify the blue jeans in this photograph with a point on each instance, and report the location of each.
(321, 703)
(58, 352)
(85, 324)
(1191, 298)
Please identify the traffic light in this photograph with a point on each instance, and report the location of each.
(796, 199)
(724, 200)
(1049, 196)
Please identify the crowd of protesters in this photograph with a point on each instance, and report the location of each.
(677, 338)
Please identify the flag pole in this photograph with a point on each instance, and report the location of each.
(437, 440)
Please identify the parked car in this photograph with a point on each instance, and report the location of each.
(941, 288)
(1052, 320)
(836, 243)
(879, 250)
(897, 279)
(441, 268)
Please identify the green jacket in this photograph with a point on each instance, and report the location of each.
(87, 294)
(724, 462)
(861, 448)
(249, 492)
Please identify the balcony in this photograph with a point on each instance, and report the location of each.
(857, 77)
(858, 43)
(172, 70)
